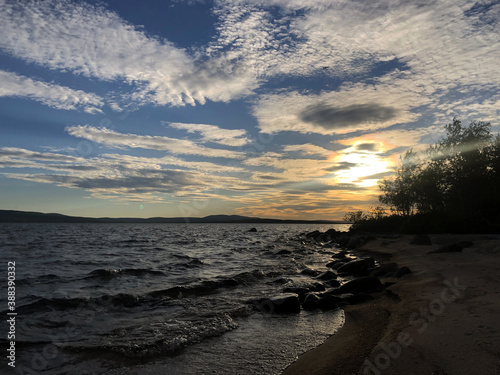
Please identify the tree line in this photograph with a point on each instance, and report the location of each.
(453, 186)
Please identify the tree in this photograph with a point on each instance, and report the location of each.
(400, 193)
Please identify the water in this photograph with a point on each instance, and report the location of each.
(158, 298)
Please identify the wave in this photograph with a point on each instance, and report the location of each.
(108, 273)
(143, 349)
(61, 304)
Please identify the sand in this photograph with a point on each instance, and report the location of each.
(444, 318)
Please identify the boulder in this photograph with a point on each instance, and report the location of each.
(329, 301)
(283, 252)
(361, 285)
(333, 283)
(340, 255)
(401, 272)
(358, 266)
(310, 272)
(421, 239)
(327, 275)
(282, 304)
(314, 234)
(354, 299)
(301, 291)
(311, 302)
(384, 269)
(452, 248)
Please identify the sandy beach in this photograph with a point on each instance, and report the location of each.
(440, 319)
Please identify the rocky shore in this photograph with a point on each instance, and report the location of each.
(413, 304)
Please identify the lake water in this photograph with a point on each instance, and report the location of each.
(159, 298)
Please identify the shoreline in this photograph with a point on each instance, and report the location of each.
(441, 319)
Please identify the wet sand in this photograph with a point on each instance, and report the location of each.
(441, 319)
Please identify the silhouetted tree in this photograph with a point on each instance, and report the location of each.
(459, 178)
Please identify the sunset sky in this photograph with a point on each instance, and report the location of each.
(271, 108)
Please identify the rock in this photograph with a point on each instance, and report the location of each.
(327, 275)
(401, 272)
(361, 285)
(230, 282)
(317, 287)
(384, 269)
(354, 243)
(358, 267)
(465, 244)
(421, 239)
(301, 291)
(283, 252)
(328, 301)
(310, 272)
(314, 234)
(333, 283)
(340, 255)
(282, 304)
(311, 302)
(253, 230)
(359, 298)
(452, 248)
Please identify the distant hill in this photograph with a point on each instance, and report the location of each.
(11, 216)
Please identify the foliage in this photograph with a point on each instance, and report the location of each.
(456, 180)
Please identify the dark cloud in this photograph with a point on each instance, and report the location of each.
(341, 166)
(164, 181)
(372, 147)
(266, 177)
(330, 117)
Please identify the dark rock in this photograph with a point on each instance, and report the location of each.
(327, 275)
(333, 283)
(314, 234)
(361, 285)
(358, 267)
(359, 298)
(301, 291)
(253, 230)
(453, 248)
(384, 269)
(340, 255)
(354, 243)
(311, 302)
(281, 280)
(283, 252)
(329, 301)
(310, 272)
(318, 287)
(282, 304)
(421, 239)
(401, 272)
(465, 244)
(230, 282)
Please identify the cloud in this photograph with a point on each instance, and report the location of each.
(370, 147)
(60, 97)
(89, 40)
(122, 140)
(341, 166)
(307, 149)
(213, 133)
(330, 117)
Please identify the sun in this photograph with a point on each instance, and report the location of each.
(360, 166)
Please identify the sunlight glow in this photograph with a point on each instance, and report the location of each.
(361, 168)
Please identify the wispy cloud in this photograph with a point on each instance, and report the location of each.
(60, 97)
(125, 140)
(215, 134)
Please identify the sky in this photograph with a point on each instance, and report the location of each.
(269, 108)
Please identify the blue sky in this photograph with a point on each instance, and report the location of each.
(271, 108)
